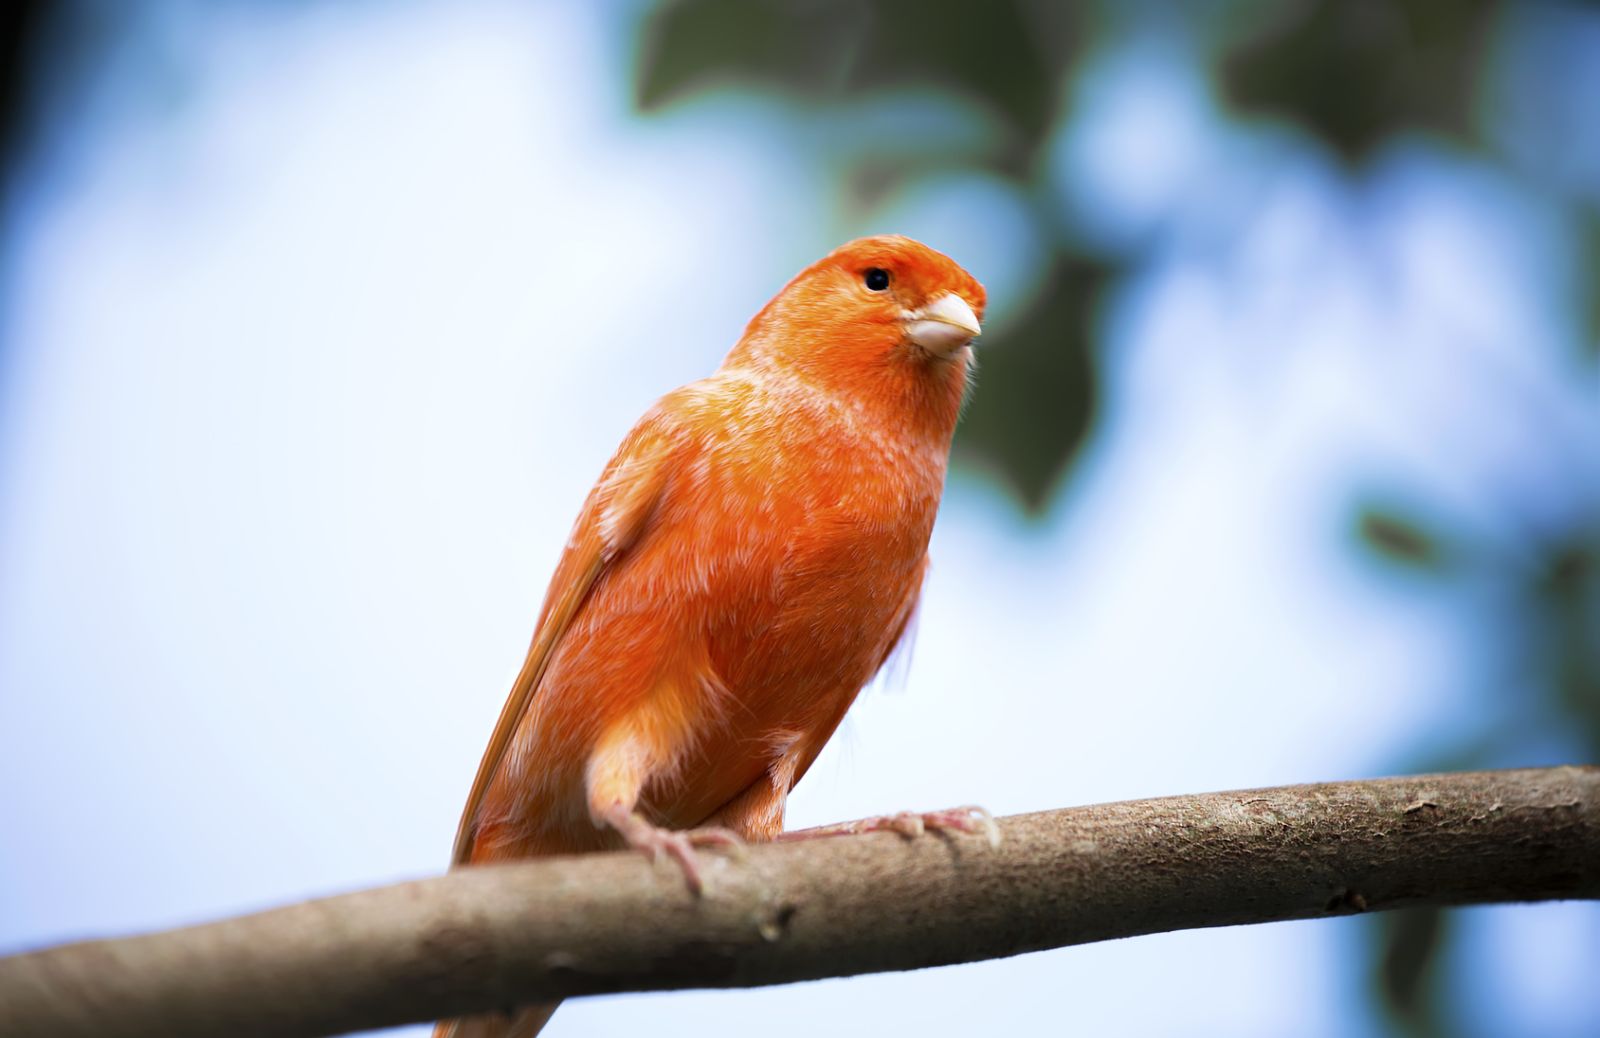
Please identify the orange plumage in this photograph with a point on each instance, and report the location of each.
(744, 566)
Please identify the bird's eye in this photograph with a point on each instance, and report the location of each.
(877, 279)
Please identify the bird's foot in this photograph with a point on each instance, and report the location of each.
(679, 845)
(912, 824)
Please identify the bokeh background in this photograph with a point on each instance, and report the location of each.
(319, 319)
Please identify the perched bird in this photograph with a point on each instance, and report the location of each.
(745, 564)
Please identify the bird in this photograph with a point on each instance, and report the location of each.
(747, 561)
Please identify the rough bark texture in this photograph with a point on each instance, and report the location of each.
(491, 937)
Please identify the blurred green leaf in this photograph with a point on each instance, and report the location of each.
(1408, 966)
(1036, 389)
(1399, 539)
(990, 52)
(693, 44)
(1356, 71)
(1567, 598)
(1008, 56)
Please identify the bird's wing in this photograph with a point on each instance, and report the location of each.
(614, 516)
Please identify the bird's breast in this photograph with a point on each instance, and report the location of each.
(813, 551)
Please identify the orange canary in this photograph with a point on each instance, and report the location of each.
(745, 564)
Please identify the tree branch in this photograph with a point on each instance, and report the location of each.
(492, 937)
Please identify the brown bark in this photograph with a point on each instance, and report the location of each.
(491, 937)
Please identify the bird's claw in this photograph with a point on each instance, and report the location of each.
(912, 824)
(679, 845)
(969, 819)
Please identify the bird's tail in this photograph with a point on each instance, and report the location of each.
(521, 1023)
(486, 843)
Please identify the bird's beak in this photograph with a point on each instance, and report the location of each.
(943, 326)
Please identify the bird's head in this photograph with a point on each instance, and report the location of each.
(876, 315)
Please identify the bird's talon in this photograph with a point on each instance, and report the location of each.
(908, 824)
(719, 838)
(682, 851)
(714, 836)
(912, 824)
(677, 845)
(970, 819)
